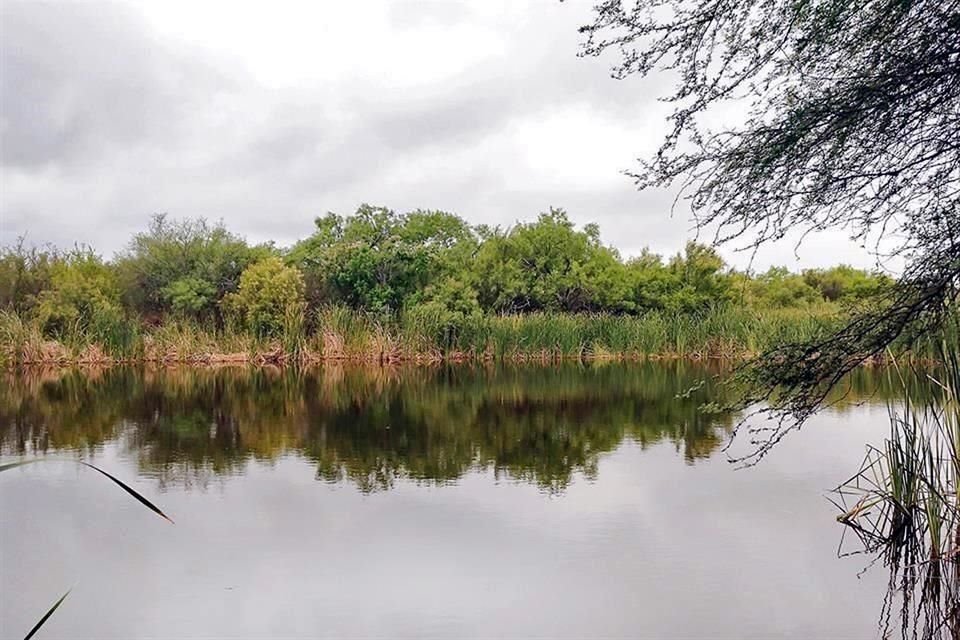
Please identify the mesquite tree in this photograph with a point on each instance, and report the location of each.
(848, 117)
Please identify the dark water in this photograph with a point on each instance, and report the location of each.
(569, 501)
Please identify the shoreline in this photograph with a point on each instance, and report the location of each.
(724, 335)
(382, 359)
(276, 358)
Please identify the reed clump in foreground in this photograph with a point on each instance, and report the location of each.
(903, 505)
(339, 333)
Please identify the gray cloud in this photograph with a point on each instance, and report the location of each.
(79, 80)
(105, 120)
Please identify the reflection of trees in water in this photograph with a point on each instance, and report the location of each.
(370, 425)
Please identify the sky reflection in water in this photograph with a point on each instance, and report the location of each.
(559, 501)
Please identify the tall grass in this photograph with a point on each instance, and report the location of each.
(19, 340)
(724, 333)
(337, 332)
(903, 505)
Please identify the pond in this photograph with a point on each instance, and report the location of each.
(559, 501)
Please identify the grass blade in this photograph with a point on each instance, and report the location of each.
(117, 481)
(140, 498)
(13, 465)
(49, 613)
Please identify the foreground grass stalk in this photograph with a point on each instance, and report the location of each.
(137, 496)
(46, 616)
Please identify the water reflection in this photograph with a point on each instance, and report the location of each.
(372, 426)
(664, 539)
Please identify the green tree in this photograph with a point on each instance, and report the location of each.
(549, 265)
(269, 292)
(379, 260)
(437, 229)
(443, 309)
(703, 280)
(24, 274)
(651, 282)
(844, 283)
(183, 267)
(692, 281)
(779, 288)
(83, 296)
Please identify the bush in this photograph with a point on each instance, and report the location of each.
(270, 292)
(83, 290)
(447, 307)
(184, 266)
(24, 274)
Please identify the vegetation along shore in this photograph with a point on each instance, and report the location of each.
(419, 286)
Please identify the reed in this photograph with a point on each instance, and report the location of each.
(903, 504)
(719, 334)
(340, 333)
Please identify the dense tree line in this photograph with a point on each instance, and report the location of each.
(386, 263)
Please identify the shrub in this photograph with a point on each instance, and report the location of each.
(269, 293)
(83, 290)
(24, 274)
(185, 266)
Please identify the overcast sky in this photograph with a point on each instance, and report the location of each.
(267, 115)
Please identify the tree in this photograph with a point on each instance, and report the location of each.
(701, 279)
(778, 288)
(25, 273)
(549, 265)
(692, 281)
(844, 284)
(379, 260)
(83, 297)
(853, 123)
(269, 292)
(184, 266)
(443, 309)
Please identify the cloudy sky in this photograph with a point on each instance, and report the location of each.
(266, 115)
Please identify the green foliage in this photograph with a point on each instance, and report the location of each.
(81, 305)
(24, 274)
(189, 295)
(183, 266)
(376, 259)
(447, 307)
(388, 285)
(692, 281)
(844, 284)
(549, 265)
(779, 288)
(703, 282)
(269, 293)
(81, 287)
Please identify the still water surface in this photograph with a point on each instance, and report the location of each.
(566, 501)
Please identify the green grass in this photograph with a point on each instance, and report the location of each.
(340, 333)
(726, 333)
